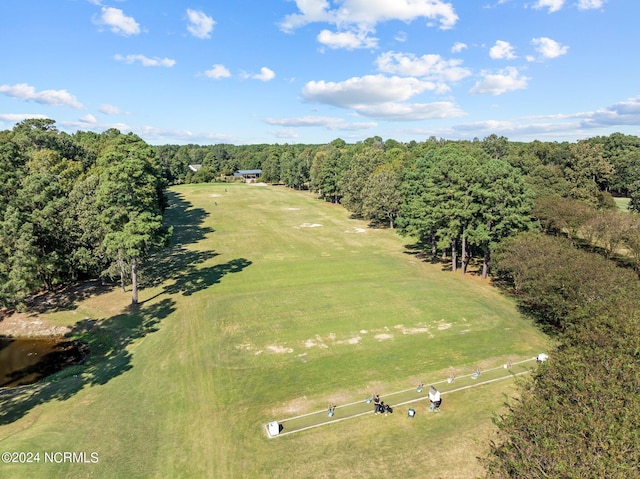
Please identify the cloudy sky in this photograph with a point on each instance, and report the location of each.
(310, 71)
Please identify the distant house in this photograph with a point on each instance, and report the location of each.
(195, 168)
(247, 174)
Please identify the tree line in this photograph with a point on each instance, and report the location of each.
(545, 214)
(542, 214)
(458, 198)
(579, 415)
(75, 207)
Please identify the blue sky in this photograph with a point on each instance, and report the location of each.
(311, 71)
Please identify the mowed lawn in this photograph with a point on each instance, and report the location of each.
(273, 304)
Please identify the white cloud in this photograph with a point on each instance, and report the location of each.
(330, 123)
(89, 119)
(549, 48)
(18, 117)
(502, 51)
(349, 40)
(552, 5)
(506, 80)
(369, 13)
(146, 61)
(458, 47)
(304, 121)
(218, 71)
(400, 37)
(118, 22)
(432, 66)
(410, 111)
(200, 24)
(26, 92)
(557, 126)
(622, 113)
(266, 74)
(589, 4)
(111, 110)
(285, 134)
(369, 89)
(514, 128)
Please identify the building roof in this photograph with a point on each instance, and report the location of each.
(246, 172)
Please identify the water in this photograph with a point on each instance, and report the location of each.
(25, 361)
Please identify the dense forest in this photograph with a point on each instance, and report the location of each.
(541, 218)
(75, 207)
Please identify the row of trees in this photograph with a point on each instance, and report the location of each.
(581, 170)
(611, 232)
(75, 206)
(458, 198)
(579, 415)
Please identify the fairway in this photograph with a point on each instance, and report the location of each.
(270, 305)
(407, 397)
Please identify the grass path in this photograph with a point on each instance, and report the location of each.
(271, 304)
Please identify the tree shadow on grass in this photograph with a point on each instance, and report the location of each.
(177, 271)
(172, 262)
(106, 342)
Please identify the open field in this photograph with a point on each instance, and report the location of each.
(271, 305)
(622, 203)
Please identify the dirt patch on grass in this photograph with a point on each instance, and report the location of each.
(65, 298)
(296, 406)
(418, 329)
(354, 340)
(279, 349)
(23, 325)
(383, 336)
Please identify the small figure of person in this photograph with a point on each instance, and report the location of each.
(332, 409)
(434, 399)
(376, 404)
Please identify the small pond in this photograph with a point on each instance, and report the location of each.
(25, 361)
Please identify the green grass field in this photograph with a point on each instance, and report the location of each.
(270, 305)
(622, 203)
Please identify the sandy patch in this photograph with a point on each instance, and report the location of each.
(293, 209)
(354, 340)
(310, 225)
(442, 326)
(252, 183)
(215, 195)
(23, 325)
(279, 349)
(415, 330)
(363, 331)
(292, 408)
(383, 336)
(318, 342)
(244, 347)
